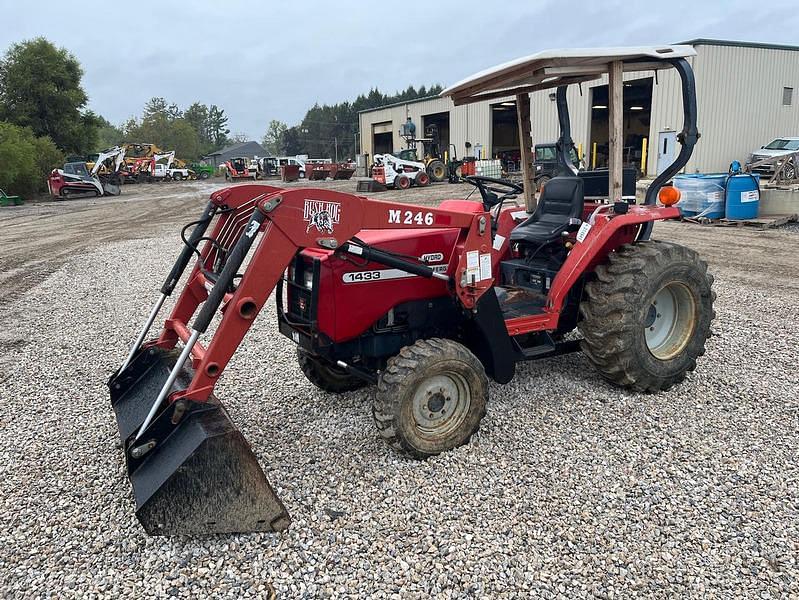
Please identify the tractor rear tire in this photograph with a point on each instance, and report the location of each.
(647, 315)
(437, 171)
(430, 398)
(325, 376)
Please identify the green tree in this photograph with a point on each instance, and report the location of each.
(196, 115)
(40, 88)
(156, 111)
(217, 126)
(108, 135)
(26, 160)
(181, 137)
(273, 139)
(47, 157)
(292, 143)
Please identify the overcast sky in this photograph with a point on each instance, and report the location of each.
(262, 61)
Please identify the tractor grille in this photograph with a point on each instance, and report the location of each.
(303, 281)
(300, 303)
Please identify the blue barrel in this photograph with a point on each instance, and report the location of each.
(743, 196)
(701, 195)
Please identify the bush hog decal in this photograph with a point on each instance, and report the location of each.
(322, 215)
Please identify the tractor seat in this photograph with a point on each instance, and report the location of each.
(560, 205)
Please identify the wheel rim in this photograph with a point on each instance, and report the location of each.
(670, 321)
(438, 172)
(440, 404)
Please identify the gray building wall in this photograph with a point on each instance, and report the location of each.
(740, 100)
(470, 123)
(739, 91)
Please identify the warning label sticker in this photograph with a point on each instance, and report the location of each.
(485, 266)
(752, 196)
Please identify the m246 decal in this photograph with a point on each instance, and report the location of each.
(410, 217)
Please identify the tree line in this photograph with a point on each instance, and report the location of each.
(44, 119)
(191, 133)
(330, 130)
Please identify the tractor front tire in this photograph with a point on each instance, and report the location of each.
(430, 398)
(647, 315)
(402, 182)
(325, 376)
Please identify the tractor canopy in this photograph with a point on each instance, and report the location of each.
(555, 68)
(560, 68)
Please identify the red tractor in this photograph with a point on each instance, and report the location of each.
(427, 305)
(240, 168)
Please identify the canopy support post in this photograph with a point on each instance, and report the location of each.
(526, 150)
(615, 130)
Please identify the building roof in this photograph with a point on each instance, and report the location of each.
(739, 44)
(237, 146)
(401, 103)
(553, 68)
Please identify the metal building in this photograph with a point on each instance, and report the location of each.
(748, 94)
(240, 149)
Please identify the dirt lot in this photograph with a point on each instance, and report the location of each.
(38, 238)
(571, 488)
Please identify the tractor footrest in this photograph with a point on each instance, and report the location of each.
(520, 302)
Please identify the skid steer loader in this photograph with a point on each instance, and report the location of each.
(424, 304)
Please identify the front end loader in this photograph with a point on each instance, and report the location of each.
(425, 305)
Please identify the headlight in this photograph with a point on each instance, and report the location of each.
(307, 279)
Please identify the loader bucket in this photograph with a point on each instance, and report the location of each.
(197, 473)
(111, 189)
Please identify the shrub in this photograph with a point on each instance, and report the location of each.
(25, 160)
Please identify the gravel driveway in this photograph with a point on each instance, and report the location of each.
(571, 488)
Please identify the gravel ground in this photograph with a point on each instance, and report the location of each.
(571, 488)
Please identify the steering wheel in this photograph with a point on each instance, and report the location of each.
(488, 190)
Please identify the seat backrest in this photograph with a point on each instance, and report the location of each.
(562, 197)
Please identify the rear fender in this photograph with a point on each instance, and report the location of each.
(608, 232)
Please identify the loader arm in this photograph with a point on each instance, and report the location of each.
(117, 153)
(190, 467)
(288, 221)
